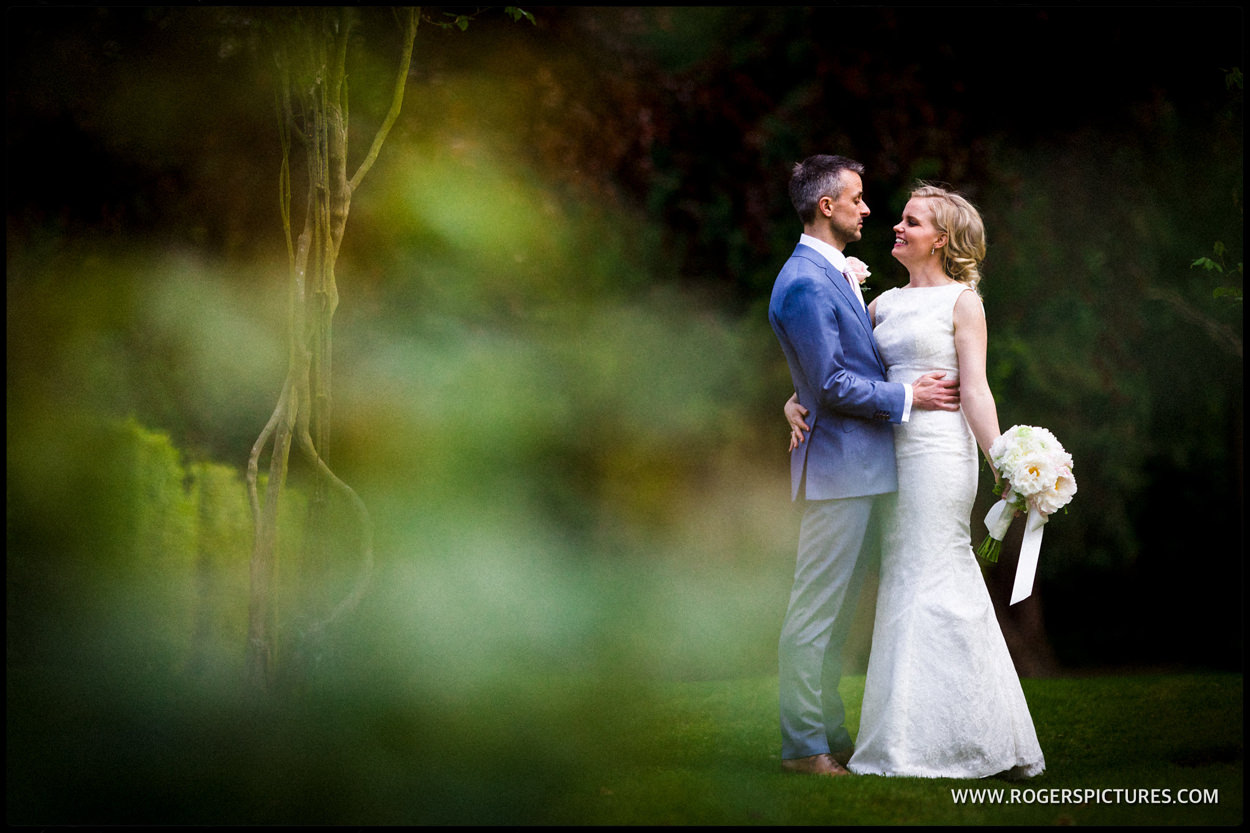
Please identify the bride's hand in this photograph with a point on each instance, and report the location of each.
(794, 415)
(1006, 490)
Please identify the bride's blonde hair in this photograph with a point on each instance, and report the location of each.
(960, 221)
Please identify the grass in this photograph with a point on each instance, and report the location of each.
(580, 750)
(718, 763)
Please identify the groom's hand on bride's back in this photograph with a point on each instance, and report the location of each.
(934, 392)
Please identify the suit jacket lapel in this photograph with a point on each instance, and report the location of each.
(843, 285)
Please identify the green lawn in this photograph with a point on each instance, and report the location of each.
(708, 755)
(582, 750)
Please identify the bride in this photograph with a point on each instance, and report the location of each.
(942, 698)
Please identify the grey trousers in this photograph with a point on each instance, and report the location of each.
(839, 541)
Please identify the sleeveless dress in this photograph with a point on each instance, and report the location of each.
(942, 698)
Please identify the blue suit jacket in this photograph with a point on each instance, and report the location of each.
(839, 376)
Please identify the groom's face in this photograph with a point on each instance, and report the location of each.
(847, 210)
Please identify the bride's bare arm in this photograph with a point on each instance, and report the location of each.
(971, 338)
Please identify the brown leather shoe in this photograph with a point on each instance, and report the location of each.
(843, 756)
(822, 764)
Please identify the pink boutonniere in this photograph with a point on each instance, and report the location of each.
(858, 270)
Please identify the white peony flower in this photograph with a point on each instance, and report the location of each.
(1031, 474)
(1051, 500)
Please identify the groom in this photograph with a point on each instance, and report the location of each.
(847, 463)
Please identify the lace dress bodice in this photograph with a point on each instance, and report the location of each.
(915, 330)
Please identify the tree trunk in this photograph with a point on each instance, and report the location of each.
(311, 55)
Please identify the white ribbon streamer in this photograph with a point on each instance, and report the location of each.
(1026, 569)
(998, 519)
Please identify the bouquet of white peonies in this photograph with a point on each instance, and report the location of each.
(1039, 473)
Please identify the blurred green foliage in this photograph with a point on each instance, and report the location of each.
(553, 288)
(123, 561)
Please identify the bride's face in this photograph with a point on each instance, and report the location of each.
(915, 236)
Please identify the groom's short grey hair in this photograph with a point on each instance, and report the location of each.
(818, 176)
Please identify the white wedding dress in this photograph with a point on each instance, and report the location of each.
(942, 698)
